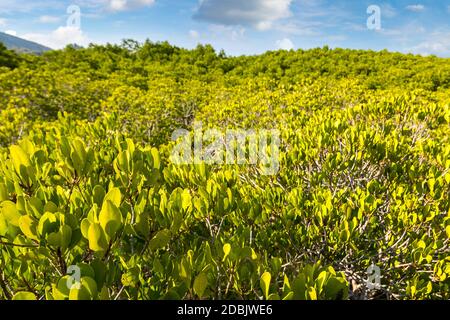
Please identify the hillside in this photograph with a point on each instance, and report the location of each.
(158, 172)
(21, 45)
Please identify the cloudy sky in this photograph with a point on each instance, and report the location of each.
(237, 26)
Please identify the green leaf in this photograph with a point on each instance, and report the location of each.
(345, 235)
(48, 223)
(104, 294)
(85, 224)
(100, 271)
(10, 213)
(273, 296)
(78, 156)
(3, 226)
(142, 224)
(265, 283)
(226, 250)
(289, 296)
(114, 196)
(19, 158)
(186, 199)
(54, 239)
(200, 284)
(122, 160)
(312, 293)
(87, 290)
(160, 240)
(24, 295)
(299, 287)
(156, 159)
(66, 236)
(3, 192)
(320, 281)
(336, 288)
(131, 277)
(63, 288)
(50, 207)
(90, 285)
(96, 237)
(98, 194)
(110, 218)
(86, 270)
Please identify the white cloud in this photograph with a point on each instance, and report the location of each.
(314, 17)
(10, 6)
(404, 32)
(123, 5)
(415, 7)
(337, 38)
(118, 5)
(49, 19)
(231, 32)
(388, 11)
(194, 34)
(11, 32)
(260, 14)
(3, 22)
(438, 43)
(59, 38)
(285, 44)
(305, 29)
(115, 5)
(355, 27)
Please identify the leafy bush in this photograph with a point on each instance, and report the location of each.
(87, 184)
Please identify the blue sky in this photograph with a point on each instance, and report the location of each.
(237, 26)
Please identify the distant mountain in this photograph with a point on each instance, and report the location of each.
(20, 45)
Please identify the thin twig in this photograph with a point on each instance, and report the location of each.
(19, 245)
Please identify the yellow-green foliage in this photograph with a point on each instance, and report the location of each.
(86, 179)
